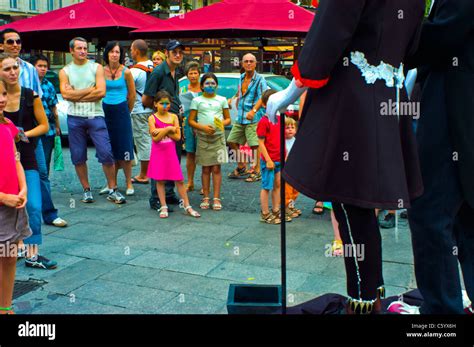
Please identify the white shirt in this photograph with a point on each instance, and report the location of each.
(289, 144)
(139, 77)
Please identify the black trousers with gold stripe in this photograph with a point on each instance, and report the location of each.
(360, 235)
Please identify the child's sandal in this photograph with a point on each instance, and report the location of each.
(163, 211)
(217, 206)
(292, 213)
(205, 203)
(6, 310)
(188, 210)
(337, 248)
(270, 218)
(254, 177)
(294, 209)
(287, 216)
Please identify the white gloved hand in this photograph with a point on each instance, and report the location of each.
(282, 99)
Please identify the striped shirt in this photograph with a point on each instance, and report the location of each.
(246, 102)
(29, 77)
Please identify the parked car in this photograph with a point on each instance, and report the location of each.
(229, 83)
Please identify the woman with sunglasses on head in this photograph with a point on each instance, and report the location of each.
(25, 110)
(118, 103)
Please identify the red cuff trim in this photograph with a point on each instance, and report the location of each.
(295, 70)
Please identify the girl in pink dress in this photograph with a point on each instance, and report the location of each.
(164, 163)
(13, 197)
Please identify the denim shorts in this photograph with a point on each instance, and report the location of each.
(79, 128)
(268, 176)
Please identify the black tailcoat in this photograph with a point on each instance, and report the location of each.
(446, 51)
(346, 151)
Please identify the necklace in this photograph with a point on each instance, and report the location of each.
(113, 73)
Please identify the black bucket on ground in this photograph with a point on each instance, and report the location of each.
(254, 299)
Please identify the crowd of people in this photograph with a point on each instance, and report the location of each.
(126, 112)
(141, 111)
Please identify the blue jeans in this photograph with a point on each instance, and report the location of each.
(33, 207)
(48, 147)
(50, 213)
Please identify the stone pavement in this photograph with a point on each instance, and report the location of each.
(124, 259)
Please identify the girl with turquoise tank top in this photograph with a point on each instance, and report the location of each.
(117, 104)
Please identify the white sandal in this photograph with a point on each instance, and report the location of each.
(163, 213)
(188, 210)
(217, 206)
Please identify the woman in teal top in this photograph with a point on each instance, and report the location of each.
(118, 103)
(186, 95)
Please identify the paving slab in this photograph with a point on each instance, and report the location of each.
(84, 231)
(176, 262)
(42, 302)
(128, 296)
(149, 240)
(256, 274)
(69, 279)
(105, 252)
(217, 249)
(170, 281)
(192, 304)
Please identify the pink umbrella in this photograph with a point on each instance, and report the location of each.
(235, 18)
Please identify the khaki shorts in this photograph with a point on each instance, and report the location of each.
(141, 135)
(244, 133)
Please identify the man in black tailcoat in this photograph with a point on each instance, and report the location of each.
(442, 219)
(349, 149)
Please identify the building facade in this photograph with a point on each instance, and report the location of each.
(11, 10)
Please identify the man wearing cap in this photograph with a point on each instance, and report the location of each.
(164, 77)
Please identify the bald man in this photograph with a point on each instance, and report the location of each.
(142, 68)
(244, 130)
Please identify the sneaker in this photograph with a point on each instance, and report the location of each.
(59, 222)
(87, 197)
(116, 197)
(40, 262)
(401, 307)
(130, 192)
(105, 190)
(388, 222)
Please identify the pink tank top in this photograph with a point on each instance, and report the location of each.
(8, 174)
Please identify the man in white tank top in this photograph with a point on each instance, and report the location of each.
(82, 84)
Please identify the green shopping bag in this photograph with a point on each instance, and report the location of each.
(58, 154)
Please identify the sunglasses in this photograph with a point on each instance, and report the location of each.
(11, 42)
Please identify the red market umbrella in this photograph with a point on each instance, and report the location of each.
(235, 18)
(91, 19)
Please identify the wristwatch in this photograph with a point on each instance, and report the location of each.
(254, 110)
